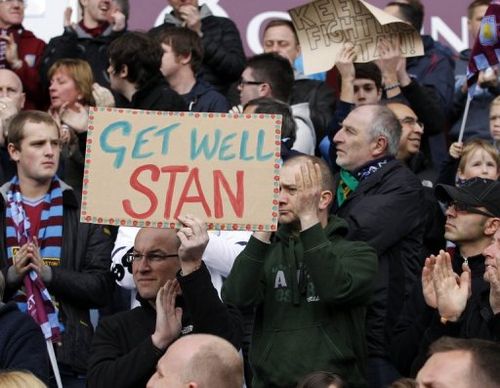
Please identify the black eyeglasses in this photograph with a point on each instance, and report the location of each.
(242, 82)
(150, 257)
(463, 207)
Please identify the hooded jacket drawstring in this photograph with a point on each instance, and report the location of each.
(293, 271)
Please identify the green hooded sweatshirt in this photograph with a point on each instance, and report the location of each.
(311, 290)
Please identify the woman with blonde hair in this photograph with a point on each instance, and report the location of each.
(72, 90)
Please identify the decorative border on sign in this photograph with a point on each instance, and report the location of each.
(117, 221)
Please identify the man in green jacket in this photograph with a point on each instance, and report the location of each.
(310, 286)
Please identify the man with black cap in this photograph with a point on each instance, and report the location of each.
(453, 297)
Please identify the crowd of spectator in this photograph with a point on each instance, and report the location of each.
(384, 270)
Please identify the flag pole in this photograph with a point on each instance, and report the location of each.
(53, 362)
(466, 113)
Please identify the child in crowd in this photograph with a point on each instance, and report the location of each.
(495, 121)
(475, 158)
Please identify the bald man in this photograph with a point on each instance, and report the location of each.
(197, 361)
(165, 263)
(12, 100)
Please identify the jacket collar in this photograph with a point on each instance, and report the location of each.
(170, 18)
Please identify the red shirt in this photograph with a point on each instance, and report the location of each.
(34, 213)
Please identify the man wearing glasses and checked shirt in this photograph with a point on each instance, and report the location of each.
(453, 298)
(166, 264)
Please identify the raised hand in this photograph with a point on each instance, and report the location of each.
(427, 281)
(118, 20)
(11, 54)
(492, 276)
(102, 96)
(194, 240)
(452, 291)
(68, 11)
(308, 184)
(191, 17)
(168, 317)
(390, 59)
(76, 117)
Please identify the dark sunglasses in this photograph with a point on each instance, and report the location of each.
(463, 207)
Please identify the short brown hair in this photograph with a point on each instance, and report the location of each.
(81, 73)
(184, 42)
(485, 357)
(16, 126)
(282, 23)
(475, 4)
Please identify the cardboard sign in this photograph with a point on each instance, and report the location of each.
(145, 168)
(324, 25)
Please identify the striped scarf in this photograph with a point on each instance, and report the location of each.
(36, 299)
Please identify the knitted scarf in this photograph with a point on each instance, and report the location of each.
(372, 167)
(347, 184)
(18, 226)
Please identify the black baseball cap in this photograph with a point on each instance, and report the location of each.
(475, 192)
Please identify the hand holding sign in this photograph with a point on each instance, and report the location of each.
(146, 168)
(194, 240)
(324, 25)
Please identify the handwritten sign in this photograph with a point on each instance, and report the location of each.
(145, 168)
(324, 25)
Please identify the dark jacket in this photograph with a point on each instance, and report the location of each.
(154, 95)
(310, 290)
(30, 50)
(204, 98)
(223, 56)
(434, 70)
(123, 354)
(321, 100)
(81, 282)
(22, 344)
(77, 43)
(420, 325)
(386, 212)
(434, 216)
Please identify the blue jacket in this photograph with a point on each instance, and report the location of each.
(435, 70)
(204, 98)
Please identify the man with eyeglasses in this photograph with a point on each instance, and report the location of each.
(166, 264)
(409, 153)
(21, 51)
(271, 75)
(453, 298)
(411, 130)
